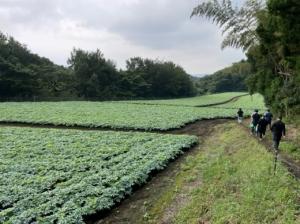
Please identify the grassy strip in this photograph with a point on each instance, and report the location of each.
(202, 100)
(186, 176)
(248, 103)
(238, 185)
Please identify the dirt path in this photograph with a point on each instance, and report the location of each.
(161, 190)
(166, 193)
(292, 165)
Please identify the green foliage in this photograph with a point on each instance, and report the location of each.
(270, 34)
(239, 24)
(89, 76)
(23, 74)
(58, 176)
(276, 58)
(159, 79)
(229, 79)
(95, 76)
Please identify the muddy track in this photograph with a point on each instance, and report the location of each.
(127, 211)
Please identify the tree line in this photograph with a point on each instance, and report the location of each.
(269, 33)
(89, 75)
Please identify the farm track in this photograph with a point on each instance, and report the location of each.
(292, 165)
(132, 209)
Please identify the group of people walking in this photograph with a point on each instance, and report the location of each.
(260, 123)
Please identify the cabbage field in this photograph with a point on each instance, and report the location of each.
(62, 175)
(109, 115)
(58, 176)
(130, 116)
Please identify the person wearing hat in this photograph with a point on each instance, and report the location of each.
(278, 130)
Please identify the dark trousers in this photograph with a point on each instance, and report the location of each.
(261, 132)
(276, 141)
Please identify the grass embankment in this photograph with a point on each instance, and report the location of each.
(235, 184)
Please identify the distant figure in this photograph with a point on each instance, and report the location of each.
(278, 130)
(268, 116)
(254, 121)
(240, 115)
(261, 127)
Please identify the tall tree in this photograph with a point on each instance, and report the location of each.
(95, 76)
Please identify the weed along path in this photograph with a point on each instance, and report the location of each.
(227, 178)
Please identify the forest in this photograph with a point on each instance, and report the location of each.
(89, 75)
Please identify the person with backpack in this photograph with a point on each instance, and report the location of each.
(261, 127)
(268, 116)
(254, 121)
(240, 115)
(278, 130)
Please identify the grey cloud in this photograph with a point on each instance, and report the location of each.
(150, 27)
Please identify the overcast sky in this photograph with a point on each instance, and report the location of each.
(120, 29)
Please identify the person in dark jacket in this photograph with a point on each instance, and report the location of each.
(261, 127)
(268, 116)
(240, 115)
(278, 130)
(254, 121)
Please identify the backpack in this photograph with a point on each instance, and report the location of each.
(268, 116)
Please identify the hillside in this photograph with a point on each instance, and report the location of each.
(229, 79)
